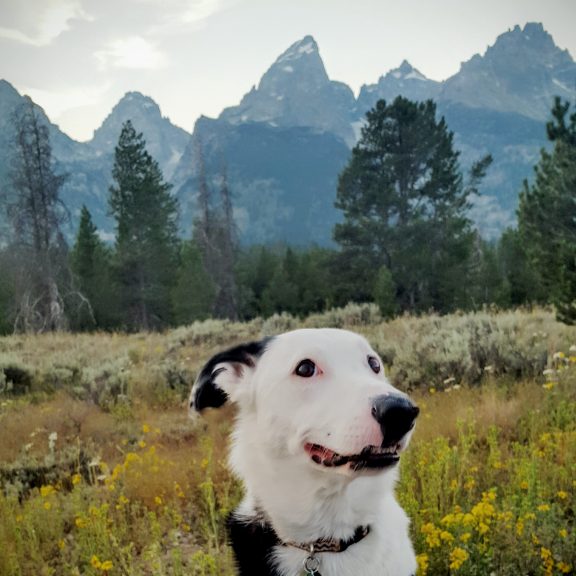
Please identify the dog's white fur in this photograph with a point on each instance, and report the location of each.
(278, 413)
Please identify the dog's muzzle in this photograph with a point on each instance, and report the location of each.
(396, 416)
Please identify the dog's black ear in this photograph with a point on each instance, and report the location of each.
(222, 371)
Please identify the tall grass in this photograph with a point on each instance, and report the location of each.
(103, 474)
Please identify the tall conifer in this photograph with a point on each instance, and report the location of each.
(146, 233)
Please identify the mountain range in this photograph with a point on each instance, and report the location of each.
(285, 143)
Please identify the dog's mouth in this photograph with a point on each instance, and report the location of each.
(371, 457)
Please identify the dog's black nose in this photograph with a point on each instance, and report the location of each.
(396, 415)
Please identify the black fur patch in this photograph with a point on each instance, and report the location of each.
(207, 394)
(252, 543)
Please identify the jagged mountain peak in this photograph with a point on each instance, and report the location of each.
(164, 141)
(301, 59)
(406, 72)
(521, 72)
(404, 81)
(136, 103)
(530, 45)
(296, 91)
(305, 48)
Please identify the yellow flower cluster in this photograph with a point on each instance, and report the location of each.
(105, 566)
(457, 557)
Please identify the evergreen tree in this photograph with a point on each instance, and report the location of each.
(282, 293)
(194, 291)
(256, 268)
(384, 293)
(547, 214)
(487, 282)
(146, 234)
(316, 286)
(405, 208)
(523, 284)
(90, 262)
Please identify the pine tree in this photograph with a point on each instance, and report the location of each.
(405, 208)
(523, 284)
(90, 262)
(282, 293)
(193, 291)
(146, 234)
(547, 214)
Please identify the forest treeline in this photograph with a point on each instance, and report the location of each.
(405, 240)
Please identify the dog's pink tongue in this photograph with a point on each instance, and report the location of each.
(319, 453)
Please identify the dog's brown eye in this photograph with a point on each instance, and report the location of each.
(374, 364)
(305, 369)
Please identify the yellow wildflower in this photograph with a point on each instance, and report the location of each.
(76, 479)
(145, 428)
(106, 566)
(457, 557)
(432, 535)
(483, 528)
(563, 532)
(562, 495)
(422, 560)
(446, 536)
(95, 562)
(46, 491)
(543, 508)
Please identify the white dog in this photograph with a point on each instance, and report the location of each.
(317, 440)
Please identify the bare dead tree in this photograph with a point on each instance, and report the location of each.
(36, 213)
(215, 235)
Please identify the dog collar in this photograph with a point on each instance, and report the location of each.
(320, 545)
(331, 544)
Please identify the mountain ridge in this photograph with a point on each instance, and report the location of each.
(496, 103)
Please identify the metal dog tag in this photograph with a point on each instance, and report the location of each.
(311, 564)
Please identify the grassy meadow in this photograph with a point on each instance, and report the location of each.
(103, 474)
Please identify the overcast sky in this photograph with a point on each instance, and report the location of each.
(77, 58)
